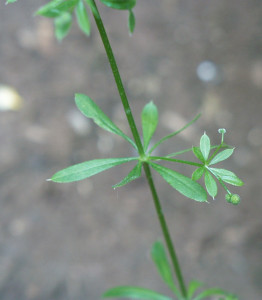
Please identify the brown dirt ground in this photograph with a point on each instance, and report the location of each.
(74, 241)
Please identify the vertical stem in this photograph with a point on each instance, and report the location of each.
(137, 139)
(165, 231)
(117, 76)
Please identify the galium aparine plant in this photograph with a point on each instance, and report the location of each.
(208, 155)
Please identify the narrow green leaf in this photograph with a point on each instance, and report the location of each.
(210, 184)
(186, 162)
(88, 108)
(82, 17)
(181, 183)
(51, 13)
(131, 22)
(198, 154)
(54, 8)
(120, 4)
(134, 293)
(149, 118)
(88, 169)
(192, 288)
(169, 136)
(223, 155)
(160, 259)
(62, 25)
(227, 176)
(212, 292)
(134, 174)
(10, 1)
(188, 150)
(205, 146)
(197, 174)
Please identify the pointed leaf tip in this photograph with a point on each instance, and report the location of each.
(87, 169)
(82, 18)
(131, 22)
(62, 25)
(132, 175)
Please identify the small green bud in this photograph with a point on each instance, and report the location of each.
(222, 130)
(228, 197)
(235, 199)
(232, 198)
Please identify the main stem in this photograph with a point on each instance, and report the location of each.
(165, 231)
(138, 142)
(117, 77)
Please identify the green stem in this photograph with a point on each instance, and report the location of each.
(117, 77)
(137, 139)
(165, 231)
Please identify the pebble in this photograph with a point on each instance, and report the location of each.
(9, 98)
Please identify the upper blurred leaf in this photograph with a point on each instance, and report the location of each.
(82, 17)
(215, 291)
(10, 1)
(62, 25)
(149, 118)
(120, 4)
(193, 287)
(54, 8)
(88, 107)
(131, 22)
(134, 292)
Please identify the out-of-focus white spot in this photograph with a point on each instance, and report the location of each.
(207, 71)
(79, 123)
(9, 98)
(255, 136)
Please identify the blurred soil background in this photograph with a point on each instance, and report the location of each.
(74, 241)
